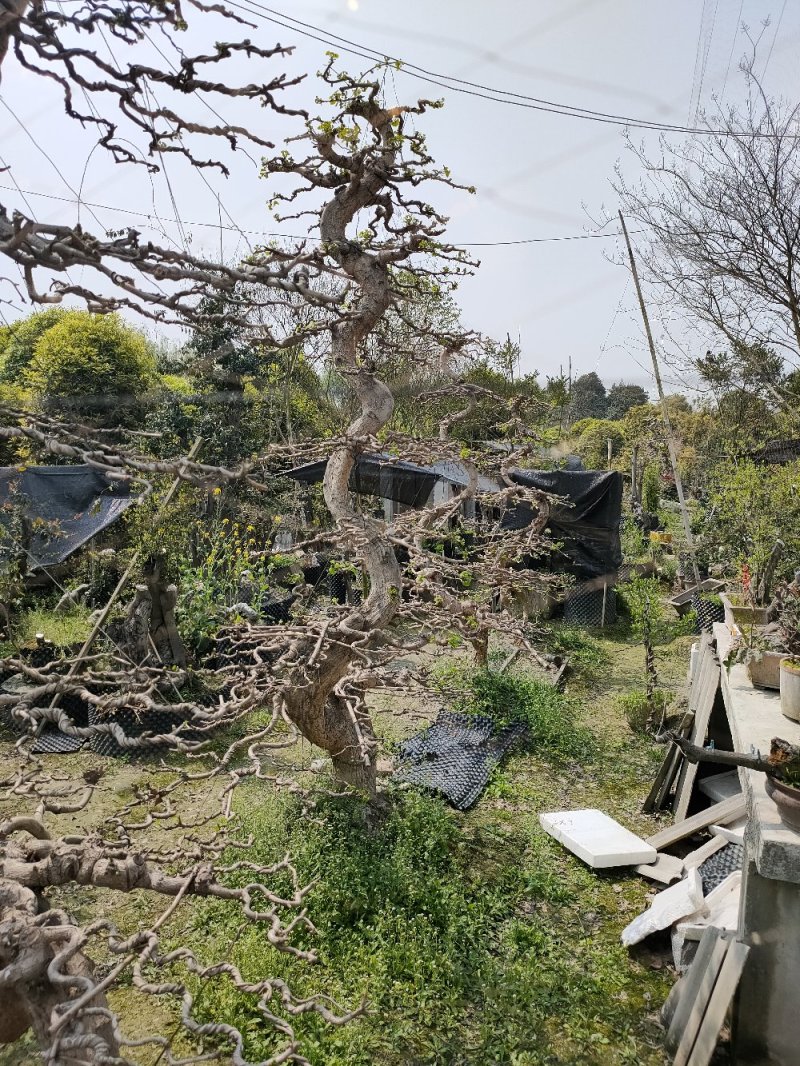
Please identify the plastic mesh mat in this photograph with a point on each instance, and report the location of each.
(51, 741)
(278, 608)
(722, 863)
(586, 608)
(707, 613)
(456, 755)
(156, 722)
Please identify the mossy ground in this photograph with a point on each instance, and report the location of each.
(473, 938)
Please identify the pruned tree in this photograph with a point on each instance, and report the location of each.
(362, 169)
(720, 212)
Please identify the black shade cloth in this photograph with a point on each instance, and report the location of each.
(63, 506)
(456, 755)
(587, 525)
(378, 475)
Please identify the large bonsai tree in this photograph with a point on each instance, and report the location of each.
(372, 239)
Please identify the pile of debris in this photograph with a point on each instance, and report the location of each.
(700, 903)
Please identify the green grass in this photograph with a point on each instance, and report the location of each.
(471, 944)
(551, 718)
(63, 628)
(473, 938)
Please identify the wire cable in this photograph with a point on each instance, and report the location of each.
(303, 237)
(469, 88)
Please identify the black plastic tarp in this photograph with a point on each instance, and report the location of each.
(378, 475)
(51, 511)
(586, 525)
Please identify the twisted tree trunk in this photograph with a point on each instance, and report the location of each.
(326, 712)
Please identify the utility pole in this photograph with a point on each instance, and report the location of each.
(673, 457)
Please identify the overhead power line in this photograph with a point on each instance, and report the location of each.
(296, 236)
(469, 88)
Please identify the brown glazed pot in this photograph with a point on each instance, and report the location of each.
(787, 799)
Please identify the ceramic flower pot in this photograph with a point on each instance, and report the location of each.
(787, 799)
(790, 688)
(764, 669)
(743, 615)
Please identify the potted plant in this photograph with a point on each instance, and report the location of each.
(761, 652)
(763, 648)
(749, 604)
(787, 625)
(790, 688)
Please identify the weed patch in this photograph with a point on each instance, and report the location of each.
(550, 717)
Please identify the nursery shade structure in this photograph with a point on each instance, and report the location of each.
(586, 525)
(378, 475)
(51, 511)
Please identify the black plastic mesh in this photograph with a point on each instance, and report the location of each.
(278, 608)
(707, 612)
(456, 755)
(586, 608)
(154, 723)
(51, 741)
(722, 863)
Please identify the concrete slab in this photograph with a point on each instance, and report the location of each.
(720, 786)
(597, 839)
(667, 907)
(755, 718)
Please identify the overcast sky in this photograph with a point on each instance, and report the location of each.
(538, 175)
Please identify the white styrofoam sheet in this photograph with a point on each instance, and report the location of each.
(719, 787)
(597, 839)
(669, 906)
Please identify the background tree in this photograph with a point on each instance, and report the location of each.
(722, 212)
(20, 342)
(90, 363)
(587, 397)
(622, 397)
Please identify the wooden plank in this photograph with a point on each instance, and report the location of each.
(691, 1010)
(705, 705)
(721, 997)
(723, 812)
(665, 869)
(666, 787)
(667, 770)
(705, 851)
(675, 1012)
(704, 657)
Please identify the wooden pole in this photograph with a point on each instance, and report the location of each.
(635, 474)
(673, 456)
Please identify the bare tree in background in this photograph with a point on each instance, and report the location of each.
(722, 225)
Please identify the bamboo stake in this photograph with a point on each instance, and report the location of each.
(673, 456)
